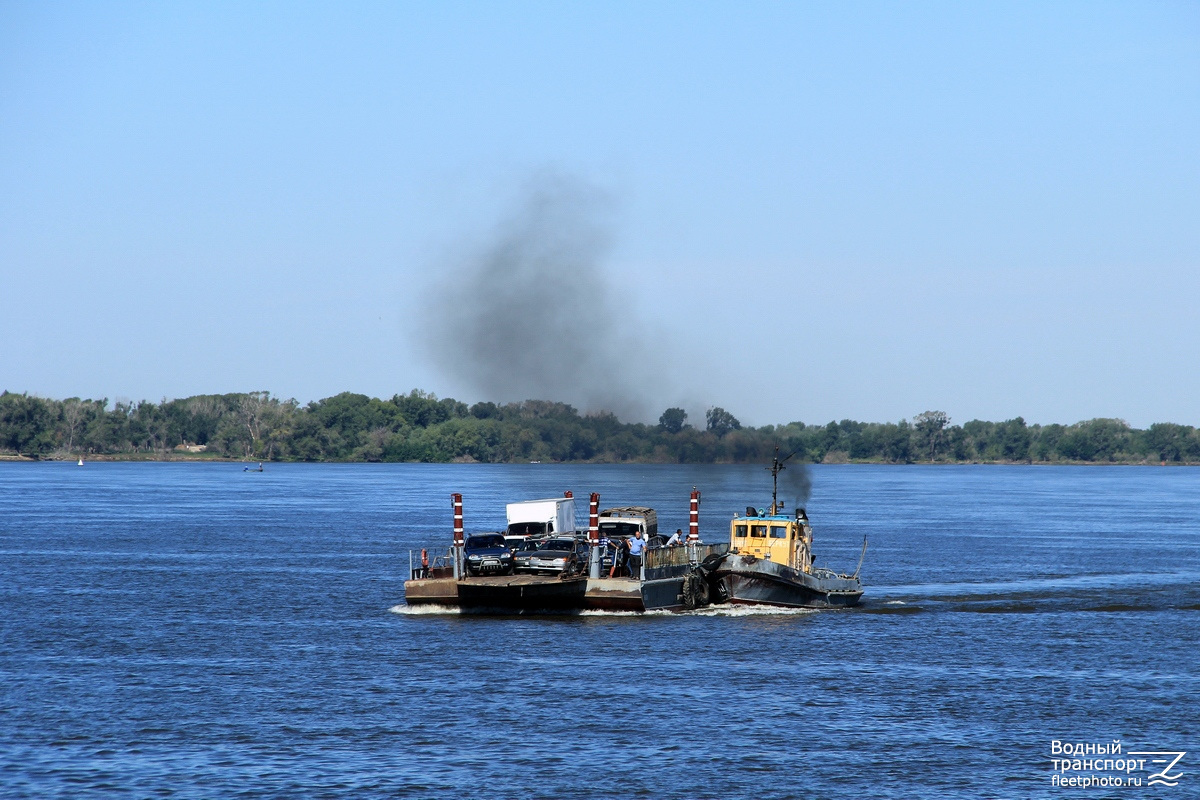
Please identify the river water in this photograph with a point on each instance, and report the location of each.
(192, 630)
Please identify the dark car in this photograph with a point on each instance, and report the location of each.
(487, 554)
(522, 552)
(554, 555)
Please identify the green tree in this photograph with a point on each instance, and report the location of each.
(1094, 440)
(1045, 442)
(929, 426)
(75, 416)
(27, 423)
(957, 443)
(422, 409)
(1167, 440)
(978, 436)
(672, 420)
(487, 410)
(1013, 438)
(897, 442)
(720, 422)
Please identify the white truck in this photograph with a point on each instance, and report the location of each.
(540, 518)
(621, 523)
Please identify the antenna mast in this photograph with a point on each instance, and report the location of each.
(777, 467)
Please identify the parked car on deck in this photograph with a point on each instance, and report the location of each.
(523, 550)
(553, 555)
(487, 554)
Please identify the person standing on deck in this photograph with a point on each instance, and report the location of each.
(676, 538)
(637, 546)
(619, 556)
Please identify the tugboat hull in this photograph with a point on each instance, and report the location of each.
(754, 581)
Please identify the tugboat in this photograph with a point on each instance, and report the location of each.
(770, 562)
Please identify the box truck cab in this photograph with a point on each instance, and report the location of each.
(621, 523)
(534, 518)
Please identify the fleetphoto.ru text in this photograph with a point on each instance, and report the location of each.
(1103, 765)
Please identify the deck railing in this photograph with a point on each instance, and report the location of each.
(440, 565)
(679, 556)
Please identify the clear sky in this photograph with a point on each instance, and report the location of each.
(808, 211)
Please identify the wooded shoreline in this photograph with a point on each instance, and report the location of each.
(419, 427)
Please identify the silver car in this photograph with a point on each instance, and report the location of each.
(553, 555)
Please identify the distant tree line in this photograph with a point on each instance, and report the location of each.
(420, 427)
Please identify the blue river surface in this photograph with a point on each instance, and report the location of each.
(191, 630)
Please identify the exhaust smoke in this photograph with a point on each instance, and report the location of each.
(530, 314)
(795, 485)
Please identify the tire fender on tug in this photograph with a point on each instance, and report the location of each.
(716, 589)
(696, 593)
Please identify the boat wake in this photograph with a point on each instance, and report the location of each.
(710, 611)
(424, 611)
(1104, 593)
(1049, 583)
(433, 610)
(752, 611)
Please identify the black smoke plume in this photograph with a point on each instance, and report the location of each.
(529, 314)
(795, 485)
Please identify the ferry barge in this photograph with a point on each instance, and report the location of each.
(668, 578)
(768, 561)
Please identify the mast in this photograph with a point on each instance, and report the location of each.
(777, 467)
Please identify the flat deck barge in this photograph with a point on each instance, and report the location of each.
(671, 582)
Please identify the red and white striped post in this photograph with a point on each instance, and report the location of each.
(458, 534)
(693, 536)
(594, 519)
(594, 535)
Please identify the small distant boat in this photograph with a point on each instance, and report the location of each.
(246, 468)
(80, 462)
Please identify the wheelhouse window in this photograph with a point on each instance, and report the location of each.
(758, 531)
(739, 530)
(778, 531)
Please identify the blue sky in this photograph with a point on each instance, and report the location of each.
(812, 211)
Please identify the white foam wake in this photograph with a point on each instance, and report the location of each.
(710, 611)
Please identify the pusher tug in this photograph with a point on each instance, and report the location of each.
(770, 561)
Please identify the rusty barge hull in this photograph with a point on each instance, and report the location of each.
(517, 593)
